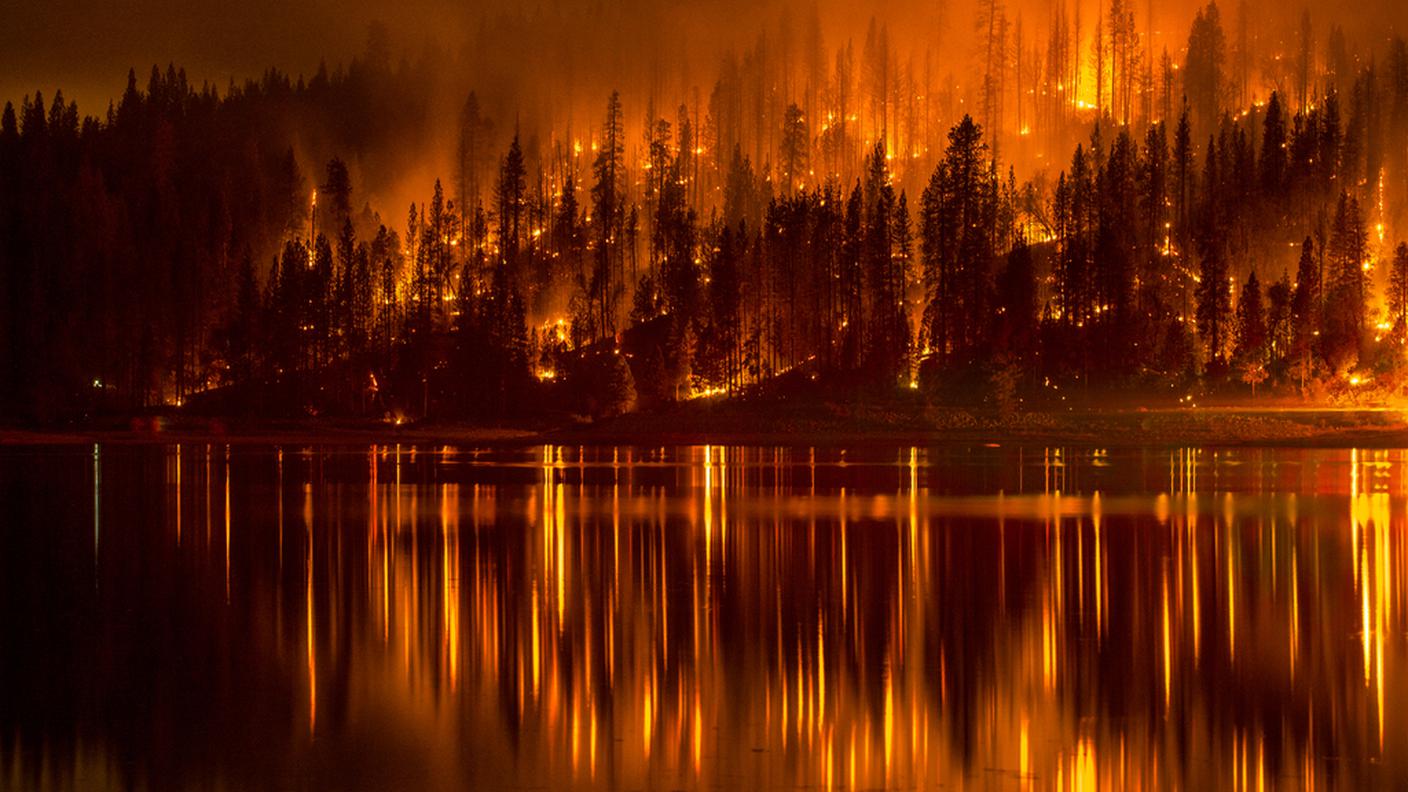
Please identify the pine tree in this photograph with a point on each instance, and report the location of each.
(1348, 256)
(608, 217)
(852, 282)
(1328, 145)
(385, 253)
(1153, 198)
(1203, 77)
(511, 195)
(1251, 323)
(1345, 309)
(344, 298)
(1273, 149)
(794, 149)
(741, 203)
(902, 276)
(435, 248)
(657, 172)
(719, 361)
(1016, 302)
(568, 240)
(1304, 62)
(959, 221)
(361, 309)
(1305, 306)
(674, 225)
(884, 341)
(319, 304)
(245, 343)
(1183, 177)
(1075, 213)
(1214, 301)
(1398, 293)
(335, 196)
(473, 142)
(1279, 322)
(1117, 241)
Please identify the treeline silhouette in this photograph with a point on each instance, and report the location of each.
(134, 272)
(126, 240)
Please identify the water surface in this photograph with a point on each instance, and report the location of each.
(204, 616)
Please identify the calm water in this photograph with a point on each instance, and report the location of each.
(434, 618)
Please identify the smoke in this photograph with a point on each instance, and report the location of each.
(543, 69)
(87, 46)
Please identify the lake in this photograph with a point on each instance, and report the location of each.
(243, 617)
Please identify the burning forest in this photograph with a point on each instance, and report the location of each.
(1051, 205)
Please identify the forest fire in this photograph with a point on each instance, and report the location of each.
(1210, 216)
(726, 394)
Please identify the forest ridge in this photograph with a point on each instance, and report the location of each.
(176, 252)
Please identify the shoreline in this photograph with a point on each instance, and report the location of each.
(809, 425)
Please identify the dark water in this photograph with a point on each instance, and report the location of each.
(989, 618)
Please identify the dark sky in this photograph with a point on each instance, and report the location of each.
(87, 46)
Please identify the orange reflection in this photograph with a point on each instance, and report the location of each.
(742, 617)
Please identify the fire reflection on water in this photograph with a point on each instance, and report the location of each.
(780, 617)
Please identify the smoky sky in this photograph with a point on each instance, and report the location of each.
(86, 47)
